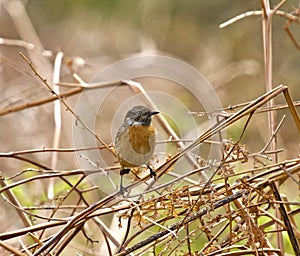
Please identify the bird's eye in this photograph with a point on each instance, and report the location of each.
(139, 113)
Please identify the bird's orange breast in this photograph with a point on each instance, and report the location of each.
(141, 138)
(135, 145)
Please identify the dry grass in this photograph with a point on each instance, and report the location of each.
(234, 211)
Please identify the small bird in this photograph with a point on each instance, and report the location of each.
(135, 140)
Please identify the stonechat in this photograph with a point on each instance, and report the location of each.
(135, 140)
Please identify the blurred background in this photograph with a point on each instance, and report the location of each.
(93, 34)
(102, 32)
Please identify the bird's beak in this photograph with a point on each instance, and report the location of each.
(153, 113)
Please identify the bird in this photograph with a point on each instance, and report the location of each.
(135, 140)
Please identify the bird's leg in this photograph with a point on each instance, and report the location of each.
(122, 172)
(152, 172)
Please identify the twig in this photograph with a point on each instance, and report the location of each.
(180, 224)
(286, 220)
(12, 249)
(231, 108)
(239, 17)
(57, 121)
(65, 104)
(12, 198)
(26, 45)
(292, 109)
(47, 176)
(272, 137)
(258, 13)
(49, 150)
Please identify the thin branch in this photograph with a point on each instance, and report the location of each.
(26, 45)
(273, 135)
(57, 121)
(180, 224)
(65, 104)
(259, 13)
(286, 220)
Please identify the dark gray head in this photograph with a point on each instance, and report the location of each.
(140, 115)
